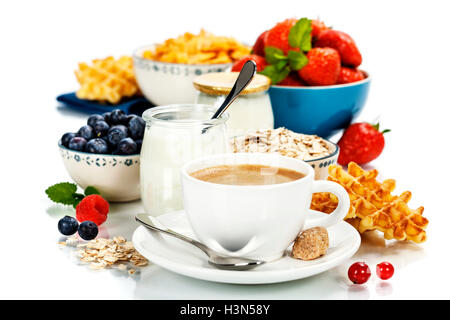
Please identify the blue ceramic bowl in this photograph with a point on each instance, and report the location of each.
(321, 110)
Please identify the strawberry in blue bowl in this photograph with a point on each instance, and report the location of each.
(317, 87)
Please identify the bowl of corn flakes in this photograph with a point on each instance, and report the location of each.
(164, 72)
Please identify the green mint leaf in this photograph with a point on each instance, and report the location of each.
(274, 55)
(283, 74)
(77, 197)
(274, 74)
(62, 193)
(300, 35)
(280, 65)
(297, 60)
(91, 190)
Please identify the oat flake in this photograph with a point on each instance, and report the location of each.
(102, 253)
(282, 141)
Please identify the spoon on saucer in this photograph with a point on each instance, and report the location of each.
(216, 259)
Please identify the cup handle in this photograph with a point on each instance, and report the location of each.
(339, 213)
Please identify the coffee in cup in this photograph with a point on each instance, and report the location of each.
(247, 175)
(235, 209)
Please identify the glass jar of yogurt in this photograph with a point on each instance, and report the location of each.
(250, 111)
(175, 134)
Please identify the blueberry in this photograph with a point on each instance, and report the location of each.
(131, 116)
(86, 132)
(136, 127)
(139, 145)
(107, 117)
(65, 139)
(118, 117)
(68, 225)
(101, 128)
(77, 143)
(97, 145)
(87, 230)
(93, 119)
(127, 146)
(116, 133)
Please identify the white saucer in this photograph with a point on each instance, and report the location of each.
(180, 257)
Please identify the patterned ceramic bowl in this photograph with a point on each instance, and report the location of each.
(115, 176)
(166, 83)
(321, 165)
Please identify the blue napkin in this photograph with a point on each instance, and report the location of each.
(135, 105)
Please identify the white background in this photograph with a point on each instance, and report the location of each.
(405, 47)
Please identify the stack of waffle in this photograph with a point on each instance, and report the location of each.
(373, 207)
(107, 80)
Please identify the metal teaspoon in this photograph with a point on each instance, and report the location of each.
(242, 81)
(215, 259)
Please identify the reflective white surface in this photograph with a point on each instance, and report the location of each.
(40, 52)
(183, 258)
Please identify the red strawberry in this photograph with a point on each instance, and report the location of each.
(260, 62)
(361, 143)
(348, 75)
(317, 26)
(278, 36)
(292, 80)
(343, 43)
(323, 67)
(260, 43)
(93, 208)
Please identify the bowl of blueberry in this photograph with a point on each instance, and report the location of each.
(105, 153)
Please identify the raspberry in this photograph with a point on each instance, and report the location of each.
(93, 208)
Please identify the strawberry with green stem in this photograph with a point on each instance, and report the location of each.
(323, 67)
(361, 143)
(287, 53)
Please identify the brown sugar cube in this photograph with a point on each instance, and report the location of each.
(311, 244)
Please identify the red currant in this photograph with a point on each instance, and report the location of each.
(385, 270)
(359, 273)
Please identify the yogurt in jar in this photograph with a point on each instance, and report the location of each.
(250, 111)
(174, 135)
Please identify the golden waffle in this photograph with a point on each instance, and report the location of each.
(373, 207)
(107, 79)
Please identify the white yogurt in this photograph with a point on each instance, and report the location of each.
(172, 137)
(248, 112)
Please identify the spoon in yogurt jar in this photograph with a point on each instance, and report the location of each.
(215, 259)
(243, 80)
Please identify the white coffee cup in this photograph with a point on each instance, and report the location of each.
(257, 221)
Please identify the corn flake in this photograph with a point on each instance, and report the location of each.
(204, 48)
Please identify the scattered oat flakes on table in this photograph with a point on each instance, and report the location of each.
(102, 253)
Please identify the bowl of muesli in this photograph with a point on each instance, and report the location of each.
(318, 152)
